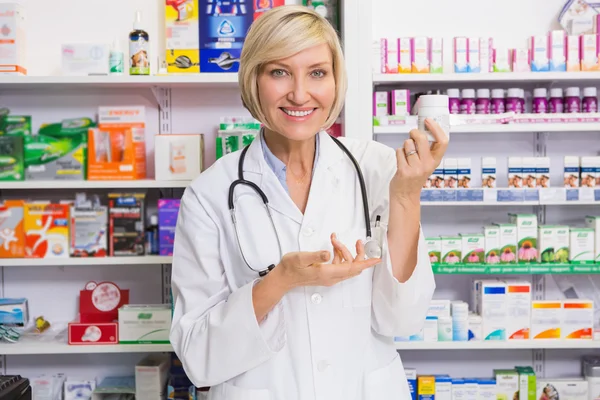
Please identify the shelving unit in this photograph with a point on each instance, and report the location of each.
(494, 77)
(498, 345)
(83, 185)
(87, 261)
(39, 348)
(476, 129)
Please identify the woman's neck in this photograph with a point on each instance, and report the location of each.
(297, 155)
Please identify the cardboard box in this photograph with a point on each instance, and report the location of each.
(88, 232)
(12, 45)
(178, 157)
(12, 163)
(139, 324)
(100, 302)
(14, 312)
(93, 333)
(151, 375)
(46, 230)
(126, 223)
(168, 210)
(12, 236)
(182, 36)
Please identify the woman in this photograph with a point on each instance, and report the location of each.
(319, 323)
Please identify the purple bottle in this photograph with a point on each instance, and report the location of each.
(590, 100)
(572, 100)
(467, 103)
(513, 100)
(555, 105)
(454, 100)
(497, 106)
(482, 104)
(540, 102)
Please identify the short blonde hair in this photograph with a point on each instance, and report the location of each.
(280, 33)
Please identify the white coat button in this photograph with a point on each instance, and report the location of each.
(316, 298)
(322, 366)
(308, 231)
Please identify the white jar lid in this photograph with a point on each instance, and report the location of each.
(589, 92)
(498, 93)
(522, 93)
(453, 93)
(540, 92)
(513, 92)
(556, 92)
(468, 93)
(483, 93)
(434, 100)
(572, 92)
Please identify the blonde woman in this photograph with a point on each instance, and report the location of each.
(298, 259)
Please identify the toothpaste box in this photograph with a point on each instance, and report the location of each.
(526, 236)
(473, 55)
(578, 319)
(594, 223)
(492, 244)
(472, 248)
(508, 243)
(539, 53)
(404, 58)
(518, 298)
(434, 248)
(436, 55)
(46, 230)
(420, 54)
(546, 319)
(581, 246)
(451, 249)
(461, 54)
(12, 232)
(389, 55)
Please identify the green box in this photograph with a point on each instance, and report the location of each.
(15, 125)
(507, 384)
(12, 166)
(434, 249)
(527, 383)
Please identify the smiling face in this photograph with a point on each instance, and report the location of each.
(297, 93)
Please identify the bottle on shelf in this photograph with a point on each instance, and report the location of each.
(139, 48)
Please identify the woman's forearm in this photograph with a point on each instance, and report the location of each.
(267, 293)
(403, 236)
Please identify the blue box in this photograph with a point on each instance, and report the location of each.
(220, 60)
(14, 312)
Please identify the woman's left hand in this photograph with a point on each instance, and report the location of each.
(417, 161)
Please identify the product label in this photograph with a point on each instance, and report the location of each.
(442, 120)
(139, 60)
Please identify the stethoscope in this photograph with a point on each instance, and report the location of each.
(372, 246)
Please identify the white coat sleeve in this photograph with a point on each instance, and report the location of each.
(214, 331)
(399, 309)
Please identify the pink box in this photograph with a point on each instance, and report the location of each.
(588, 48)
(389, 56)
(405, 58)
(486, 54)
(520, 60)
(573, 54)
(400, 101)
(420, 54)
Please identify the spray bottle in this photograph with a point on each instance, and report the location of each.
(139, 48)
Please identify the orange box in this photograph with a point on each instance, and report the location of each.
(117, 147)
(46, 230)
(12, 232)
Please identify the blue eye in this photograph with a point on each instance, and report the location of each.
(318, 73)
(278, 72)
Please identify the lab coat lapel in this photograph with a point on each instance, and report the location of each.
(257, 171)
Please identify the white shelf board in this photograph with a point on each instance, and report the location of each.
(41, 347)
(84, 261)
(528, 77)
(483, 203)
(204, 80)
(131, 184)
(500, 345)
(498, 128)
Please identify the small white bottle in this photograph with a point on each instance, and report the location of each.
(435, 107)
(116, 59)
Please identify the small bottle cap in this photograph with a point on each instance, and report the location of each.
(589, 92)
(540, 93)
(522, 93)
(483, 93)
(434, 100)
(455, 93)
(573, 92)
(137, 22)
(556, 92)
(468, 93)
(153, 220)
(498, 93)
(513, 92)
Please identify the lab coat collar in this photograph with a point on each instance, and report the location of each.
(257, 170)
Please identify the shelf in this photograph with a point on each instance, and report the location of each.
(88, 261)
(189, 81)
(510, 197)
(498, 128)
(500, 345)
(41, 347)
(137, 184)
(512, 269)
(527, 77)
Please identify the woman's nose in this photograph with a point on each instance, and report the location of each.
(299, 93)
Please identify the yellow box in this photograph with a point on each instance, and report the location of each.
(425, 387)
(182, 36)
(546, 319)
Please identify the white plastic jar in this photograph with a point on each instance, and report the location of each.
(435, 107)
(591, 372)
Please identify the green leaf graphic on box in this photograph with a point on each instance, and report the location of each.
(562, 255)
(41, 150)
(548, 255)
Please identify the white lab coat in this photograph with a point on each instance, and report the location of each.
(325, 343)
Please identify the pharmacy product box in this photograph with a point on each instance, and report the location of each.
(518, 298)
(594, 223)
(577, 319)
(443, 387)
(471, 387)
(140, 324)
(261, 7)
(223, 26)
(88, 232)
(546, 319)
(12, 239)
(458, 388)
(581, 246)
(168, 210)
(451, 249)
(507, 384)
(151, 375)
(100, 302)
(81, 333)
(182, 36)
(434, 248)
(58, 151)
(486, 389)
(12, 163)
(472, 248)
(126, 224)
(411, 377)
(117, 148)
(115, 387)
(527, 383)
(12, 45)
(425, 387)
(491, 244)
(77, 389)
(492, 306)
(439, 308)
(85, 59)
(567, 388)
(561, 243)
(15, 125)
(14, 312)
(475, 326)
(527, 233)
(178, 157)
(46, 228)
(508, 243)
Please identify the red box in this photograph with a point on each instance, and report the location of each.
(101, 302)
(262, 6)
(89, 333)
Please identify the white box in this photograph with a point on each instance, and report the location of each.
(594, 223)
(508, 243)
(539, 53)
(430, 329)
(515, 172)
(546, 243)
(472, 248)
(518, 299)
(400, 102)
(450, 173)
(443, 388)
(486, 389)
(573, 53)
(458, 389)
(381, 104)
(571, 172)
(488, 172)
(526, 236)
(436, 55)
(581, 246)
(557, 50)
(475, 327)
(493, 309)
(471, 389)
(151, 375)
(546, 319)
(84, 59)
(434, 249)
(588, 171)
(589, 52)
(461, 56)
(486, 54)
(153, 328)
(464, 173)
(561, 243)
(451, 249)
(389, 52)
(178, 157)
(420, 54)
(542, 172)
(529, 175)
(474, 61)
(491, 244)
(439, 308)
(567, 389)
(460, 321)
(578, 319)
(404, 61)
(13, 45)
